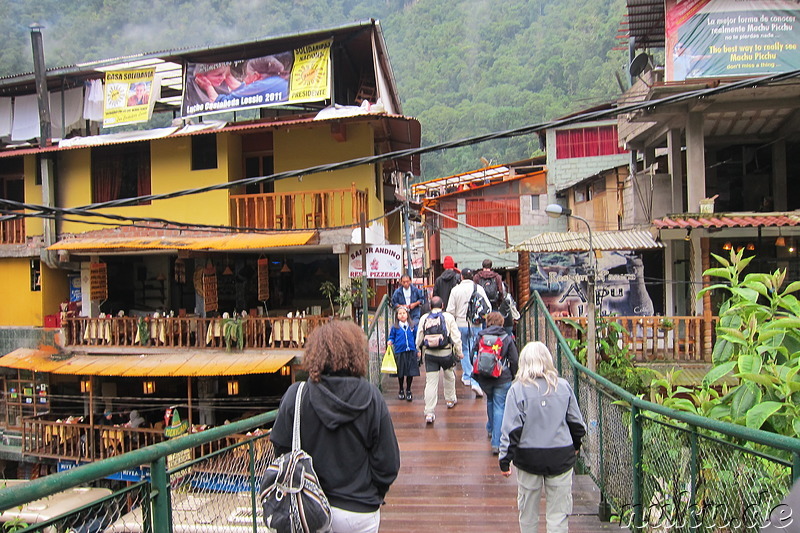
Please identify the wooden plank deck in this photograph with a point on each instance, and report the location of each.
(450, 481)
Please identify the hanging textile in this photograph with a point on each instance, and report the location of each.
(263, 279)
(210, 292)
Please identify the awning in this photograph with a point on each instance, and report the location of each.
(190, 363)
(236, 241)
(578, 241)
(718, 220)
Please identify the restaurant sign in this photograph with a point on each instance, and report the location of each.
(140, 473)
(290, 77)
(718, 38)
(383, 261)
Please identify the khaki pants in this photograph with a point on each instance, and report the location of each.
(432, 367)
(558, 492)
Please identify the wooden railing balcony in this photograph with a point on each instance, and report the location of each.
(188, 332)
(299, 210)
(689, 339)
(12, 231)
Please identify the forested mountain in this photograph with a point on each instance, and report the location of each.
(463, 67)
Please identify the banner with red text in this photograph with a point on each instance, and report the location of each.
(384, 261)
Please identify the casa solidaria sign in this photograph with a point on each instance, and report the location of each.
(383, 261)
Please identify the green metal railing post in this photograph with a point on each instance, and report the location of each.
(795, 466)
(693, 472)
(604, 508)
(636, 456)
(251, 452)
(162, 519)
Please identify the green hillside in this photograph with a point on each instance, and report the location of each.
(462, 67)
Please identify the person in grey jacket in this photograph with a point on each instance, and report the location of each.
(542, 432)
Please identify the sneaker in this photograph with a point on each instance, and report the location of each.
(495, 450)
(401, 395)
(477, 390)
(452, 404)
(408, 396)
(429, 418)
(466, 382)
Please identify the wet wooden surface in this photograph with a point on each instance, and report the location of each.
(450, 481)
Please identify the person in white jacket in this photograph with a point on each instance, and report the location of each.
(458, 306)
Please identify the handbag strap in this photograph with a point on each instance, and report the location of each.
(296, 425)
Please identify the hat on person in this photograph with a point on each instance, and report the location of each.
(448, 262)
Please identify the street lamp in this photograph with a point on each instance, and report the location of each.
(556, 211)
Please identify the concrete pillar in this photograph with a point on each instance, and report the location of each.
(696, 274)
(344, 276)
(675, 161)
(695, 164)
(669, 271)
(779, 175)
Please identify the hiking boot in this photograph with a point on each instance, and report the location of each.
(466, 381)
(429, 418)
(452, 404)
(477, 390)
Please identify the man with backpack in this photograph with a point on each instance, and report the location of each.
(492, 284)
(494, 367)
(447, 280)
(469, 305)
(439, 340)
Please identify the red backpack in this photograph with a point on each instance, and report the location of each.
(489, 361)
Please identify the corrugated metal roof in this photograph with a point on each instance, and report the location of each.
(721, 220)
(205, 363)
(237, 241)
(578, 241)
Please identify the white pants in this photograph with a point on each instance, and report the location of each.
(558, 491)
(350, 522)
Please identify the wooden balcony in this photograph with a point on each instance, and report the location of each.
(691, 338)
(299, 210)
(187, 332)
(12, 231)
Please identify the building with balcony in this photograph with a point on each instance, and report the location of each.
(181, 263)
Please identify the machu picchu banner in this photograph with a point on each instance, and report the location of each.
(724, 38)
(300, 75)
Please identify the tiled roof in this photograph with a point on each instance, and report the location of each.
(722, 220)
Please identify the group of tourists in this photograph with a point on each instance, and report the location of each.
(533, 420)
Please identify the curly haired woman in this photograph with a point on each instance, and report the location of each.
(345, 427)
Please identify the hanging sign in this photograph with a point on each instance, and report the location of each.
(263, 279)
(98, 284)
(383, 261)
(127, 98)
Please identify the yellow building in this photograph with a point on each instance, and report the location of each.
(156, 236)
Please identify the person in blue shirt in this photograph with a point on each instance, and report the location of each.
(265, 76)
(402, 339)
(410, 297)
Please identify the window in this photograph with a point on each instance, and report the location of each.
(450, 209)
(121, 171)
(256, 166)
(587, 142)
(493, 212)
(580, 193)
(204, 151)
(535, 202)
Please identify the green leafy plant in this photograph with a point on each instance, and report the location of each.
(233, 332)
(344, 296)
(665, 324)
(758, 342)
(144, 330)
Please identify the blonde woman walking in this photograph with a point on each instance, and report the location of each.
(541, 436)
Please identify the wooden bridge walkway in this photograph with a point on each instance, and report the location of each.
(450, 481)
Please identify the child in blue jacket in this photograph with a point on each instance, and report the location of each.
(402, 339)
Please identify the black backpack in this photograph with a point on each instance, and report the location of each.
(434, 331)
(477, 308)
(490, 287)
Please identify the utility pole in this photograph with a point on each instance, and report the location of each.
(407, 224)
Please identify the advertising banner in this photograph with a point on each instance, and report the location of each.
(300, 75)
(383, 262)
(720, 38)
(127, 98)
(561, 279)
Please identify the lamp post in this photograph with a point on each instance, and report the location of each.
(556, 211)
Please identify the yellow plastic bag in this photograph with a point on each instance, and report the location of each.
(389, 365)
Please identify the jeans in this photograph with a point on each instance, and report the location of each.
(495, 407)
(349, 522)
(468, 336)
(558, 492)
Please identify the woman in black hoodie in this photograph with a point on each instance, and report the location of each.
(496, 389)
(345, 427)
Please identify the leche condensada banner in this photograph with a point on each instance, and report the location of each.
(383, 262)
(302, 75)
(127, 97)
(721, 38)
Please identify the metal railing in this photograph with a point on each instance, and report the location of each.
(665, 470)
(378, 334)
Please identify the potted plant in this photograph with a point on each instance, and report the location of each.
(233, 331)
(344, 296)
(665, 324)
